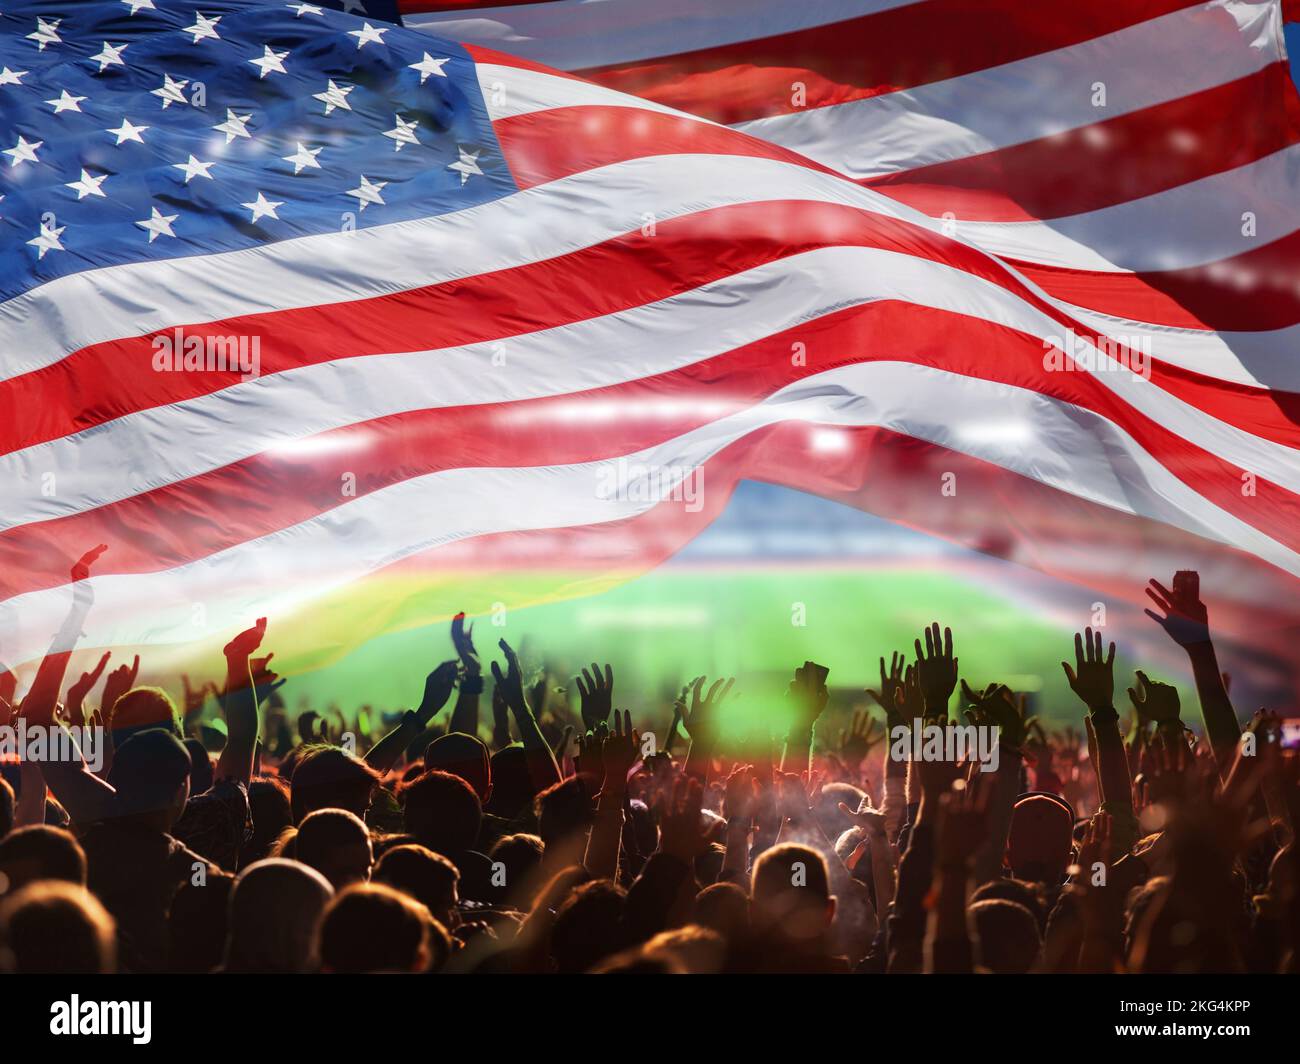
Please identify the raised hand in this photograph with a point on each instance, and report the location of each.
(511, 682)
(1183, 615)
(740, 795)
(78, 691)
(857, 740)
(119, 681)
(194, 697)
(437, 689)
(597, 695)
(891, 683)
(808, 694)
(462, 639)
(872, 821)
(265, 680)
(1154, 701)
(681, 832)
(936, 670)
(997, 707)
(700, 720)
(621, 750)
(242, 646)
(81, 567)
(908, 698)
(1095, 846)
(1093, 677)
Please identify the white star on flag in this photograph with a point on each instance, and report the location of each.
(12, 77)
(402, 133)
(47, 32)
(203, 27)
(170, 91)
(194, 168)
(304, 9)
(158, 224)
(47, 240)
(24, 151)
(87, 185)
(466, 165)
(368, 192)
(270, 62)
(366, 34)
(428, 65)
(110, 55)
(234, 126)
(334, 96)
(136, 5)
(126, 131)
(263, 206)
(303, 157)
(66, 102)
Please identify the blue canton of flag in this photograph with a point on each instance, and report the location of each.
(138, 129)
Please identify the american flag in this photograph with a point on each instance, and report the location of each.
(301, 303)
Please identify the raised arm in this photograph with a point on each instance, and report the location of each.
(240, 704)
(542, 769)
(700, 722)
(808, 697)
(1093, 680)
(464, 715)
(437, 689)
(998, 708)
(86, 797)
(1186, 620)
(618, 755)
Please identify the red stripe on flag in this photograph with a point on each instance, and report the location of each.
(1125, 158)
(882, 52)
(172, 525)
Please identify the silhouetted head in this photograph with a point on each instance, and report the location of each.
(197, 924)
(520, 856)
(587, 926)
(1007, 936)
(151, 774)
(55, 927)
(337, 844)
(1020, 891)
(373, 928)
(274, 909)
(442, 812)
(564, 809)
(791, 891)
(38, 852)
(512, 786)
(724, 908)
(1040, 840)
(426, 876)
(465, 756)
(268, 802)
(141, 709)
(327, 777)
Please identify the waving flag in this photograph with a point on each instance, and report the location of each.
(308, 314)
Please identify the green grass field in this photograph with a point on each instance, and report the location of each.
(679, 621)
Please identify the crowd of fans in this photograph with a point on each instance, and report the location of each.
(583, 845)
